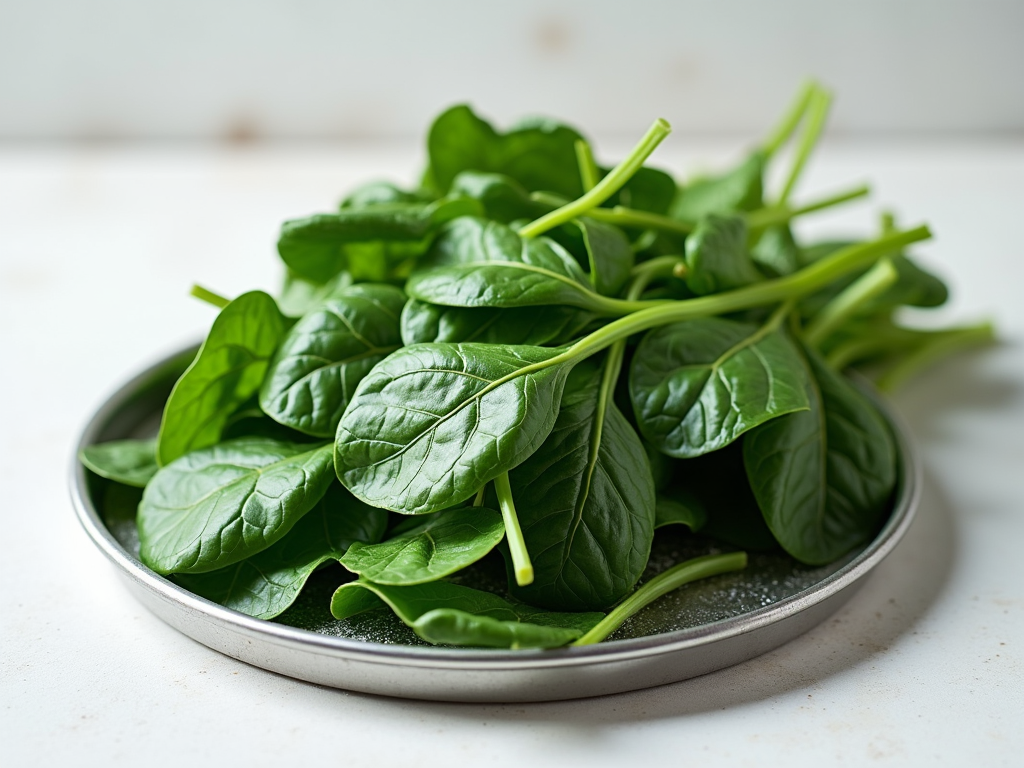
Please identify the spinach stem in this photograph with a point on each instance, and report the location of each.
(817, 113)
(765, 217)
(942, 344)
(589, 172)
(842, 307)
(513, 533)
(662, 584)
(780, 134)
(479, 500)
(652, 269)
(209, 296)
(606, 187)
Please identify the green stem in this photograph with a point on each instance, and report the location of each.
(790, 120)
(652, 269)
(842, 307)
(780, 214)
(479, 500)
(513, 533)
(589, 172)
(944, 344)
(821, 100)
(209, 296)
(662, 584)
(606, 187)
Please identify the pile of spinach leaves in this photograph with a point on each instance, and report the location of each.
(535, 355)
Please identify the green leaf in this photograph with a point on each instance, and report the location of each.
(823, 477)
(442, 544)
(380, 193)
(697, 385)
(538, 154)
(585, 501)
(227, 371)
(479, 263)
(131, 462)
(737, 190)
(717, 258)
(608, 254)
(776, 251)
(440, 612)
(503, 198)
(649, 190)
(316, 369)
(423, 322)
(299, 296)
(318, 247)
(672, 511)
(219, 505)
(266, 584)
(433, 422)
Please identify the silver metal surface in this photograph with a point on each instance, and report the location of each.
(446, 674)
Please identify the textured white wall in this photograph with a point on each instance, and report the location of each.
(289, 69)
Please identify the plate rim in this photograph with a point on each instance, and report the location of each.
(905, 502)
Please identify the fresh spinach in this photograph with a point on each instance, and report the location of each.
(131, 462)
(423, 322)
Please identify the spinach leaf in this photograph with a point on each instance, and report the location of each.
(432, 423)
(503, 198)
(649, 190)
(673, 511)
(327, 353)
(442, 544)
(538, 154)
(717, 258)
(131, 462)
(299, 296)
(776, 251)
(266, 584)
(823, 477)
(609, 255)
(440, 612)
(218, 505)
(697, 385)
(381, 193)
(739, 189)
(479, 263)
(228, 369)
(423, 322)
(585, 501)
(318, 247)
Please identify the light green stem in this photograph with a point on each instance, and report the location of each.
(209, 296)
(817, 113)
(479, 500)
(652, 269)
(589, 172)
(790, 120)
(780, 214)
(945, 343)
(513, 533)
(662, 584)
(606, 187)
(842, 307)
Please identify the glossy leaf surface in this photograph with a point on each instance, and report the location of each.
(673, 511)
(423, 322)
(226, 372)
(131, 462)
(441, 612)
(433, 423)
(585, 501)
(823, 477)
(442, 544)
(717, 258)
(737, 190)
(698, 385)
(266, 584)
(479, 263)
(609, 255)
(502, 197)
(219, 505)
(326, 354)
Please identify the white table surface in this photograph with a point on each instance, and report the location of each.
(98, 250)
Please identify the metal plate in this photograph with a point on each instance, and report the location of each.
(702, 627)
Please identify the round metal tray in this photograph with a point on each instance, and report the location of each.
(700, 628)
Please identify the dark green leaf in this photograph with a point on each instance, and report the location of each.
(609, 255)
(776, 251)
(441, 612)
(227, 371)
(717, 258)
(649, 190)
(479, 263)
(423, 322)
(539, 154)
(316, 369)
(698, 385)
(737, 190)
(299, 296)
(442, 544)
(503, 198)
(380, 193)
(585, 502)
(318, 247)
(132, 462)
(265, 584)
(219, 505)
(433, 422)
(823, 477)
(672, 511)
